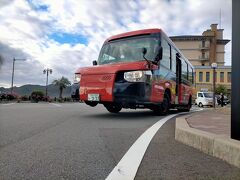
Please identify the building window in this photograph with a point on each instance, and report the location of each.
(221, 76)
(203, 43)
(200, 76)
(229, 77)
(207, 77)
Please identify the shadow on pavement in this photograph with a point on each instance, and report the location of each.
(129, 115)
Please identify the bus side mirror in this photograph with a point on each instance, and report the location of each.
(159, 54)
(94, 63)
(144, 51)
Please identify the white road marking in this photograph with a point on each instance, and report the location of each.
(58, 105)
(127, 167)
(8, 104)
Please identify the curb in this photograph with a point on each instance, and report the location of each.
(218, 146)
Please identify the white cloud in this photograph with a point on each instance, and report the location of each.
(25, 30)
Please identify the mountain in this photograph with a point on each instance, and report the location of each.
(53, 91)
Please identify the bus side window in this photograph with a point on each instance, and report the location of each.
(184, 70)
(190, 74)
(173, 60)
(166, 54)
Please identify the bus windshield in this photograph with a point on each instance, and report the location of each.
(129, 49)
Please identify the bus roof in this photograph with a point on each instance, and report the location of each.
(148, 31)
(134, 33)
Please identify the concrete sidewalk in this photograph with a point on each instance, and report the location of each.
(214, 121)
(209, 131)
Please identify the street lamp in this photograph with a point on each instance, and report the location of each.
(214, 66)
(47, 71)
(14, 59)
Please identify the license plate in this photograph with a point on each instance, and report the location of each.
(93, 97)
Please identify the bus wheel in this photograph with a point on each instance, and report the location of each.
(165, 104)
(188, 107)
(91, 103)
(113, 108)
(164, 107)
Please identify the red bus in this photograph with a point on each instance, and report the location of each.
(138, 69)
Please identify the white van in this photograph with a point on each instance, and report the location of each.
(204, 99)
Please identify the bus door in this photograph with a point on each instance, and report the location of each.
(178, 78)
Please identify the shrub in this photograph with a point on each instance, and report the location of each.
(24, 98)
(37, 95)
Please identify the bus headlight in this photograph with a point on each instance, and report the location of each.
(135, 76)
(77, 78)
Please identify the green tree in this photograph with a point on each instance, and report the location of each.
(61, 83)
(221, 89)
(38, 93)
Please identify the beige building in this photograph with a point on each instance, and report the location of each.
(205, 49)
(202, 51)
(204, 77)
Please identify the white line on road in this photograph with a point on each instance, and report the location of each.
(58, 105)
(127, 167)
(8, 104)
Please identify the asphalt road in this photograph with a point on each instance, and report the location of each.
(74, 141)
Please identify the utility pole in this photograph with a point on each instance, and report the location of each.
(14, 59)
(214, 66)
(47, 71)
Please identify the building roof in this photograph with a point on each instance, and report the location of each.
(209, 67)
(190, 38)
(222, 41)
(197, 38)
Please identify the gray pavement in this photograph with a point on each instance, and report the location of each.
(167, 158)
(216, 121)
(209, 131)
(74, 141)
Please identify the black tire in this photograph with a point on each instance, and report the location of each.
(188, 107)
(91, 103)
(163, 109)
(200, 104)
(113, 108)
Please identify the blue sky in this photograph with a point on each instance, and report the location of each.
(68, 38)
(36, 6)
(67, 34)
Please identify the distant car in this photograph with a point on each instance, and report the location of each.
(204, 99)
(225, 100)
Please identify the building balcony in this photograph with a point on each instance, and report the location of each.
(205, 47)
(203, 58)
